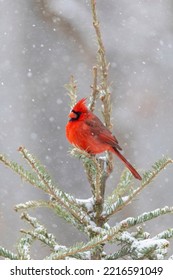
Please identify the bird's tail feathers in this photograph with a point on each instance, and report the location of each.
(129, 166)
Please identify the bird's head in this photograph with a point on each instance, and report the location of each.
(78, 110)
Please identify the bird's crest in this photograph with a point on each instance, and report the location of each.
(80, 106)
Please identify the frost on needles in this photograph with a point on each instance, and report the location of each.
(90, 216)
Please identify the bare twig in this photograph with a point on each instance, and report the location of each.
(103, 67)
(95, 90)
(104, 85)
(72, 90)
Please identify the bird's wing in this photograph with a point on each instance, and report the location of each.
(98, 129)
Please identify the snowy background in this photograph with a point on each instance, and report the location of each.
(42, 44)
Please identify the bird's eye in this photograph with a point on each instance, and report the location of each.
(74, 115)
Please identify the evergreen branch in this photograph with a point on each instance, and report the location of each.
(106, 236)
(124, 251)
(158, 166)
(39, 232)
(60, 211)
(7, 254)
(123, 188)
(24, 174)
(65, 200)
(39, 169)
(59, 250)
(86, 204)
(39, 236)
(148, 177)
(96, 176)
(111, 234)
(32, 204)
(83, 225)
(92, 168)
(149, 248)
(24, 247)
(141, 246)
(140, 233)
(153, 249)
(92, 244)
(131, 221)
(65, 203)
(166, 234)
(62, 249)
(43, 182)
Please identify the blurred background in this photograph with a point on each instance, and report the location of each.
(42, 44)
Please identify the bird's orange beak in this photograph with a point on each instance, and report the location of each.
(72, 115)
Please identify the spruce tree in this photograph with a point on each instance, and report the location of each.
(91, 216)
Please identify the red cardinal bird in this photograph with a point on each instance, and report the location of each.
(87, 132)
